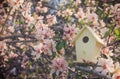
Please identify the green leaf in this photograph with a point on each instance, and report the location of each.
(82, 22)
(99, 12)
(61, 45)
(103, 15)
(69, 18)
(17, 23)
(29, 63)
(107, 33)
(117, 32)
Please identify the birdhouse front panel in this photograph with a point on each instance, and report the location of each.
(86, 49)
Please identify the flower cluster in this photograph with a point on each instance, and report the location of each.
(48, 47)
(44, 32)
(106, 66)
(35, 36)
(58, 65)
(69, 32)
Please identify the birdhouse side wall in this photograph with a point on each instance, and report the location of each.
(98, 48)
(86, 50)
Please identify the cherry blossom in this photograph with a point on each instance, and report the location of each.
(51, 19)
(58, 65)
(39, 4)
(44, 32)
(116, 73)
(48, 47)
(29, 19)
(15, 3)
(13, 55)
(38, 50)
(67, 12)
(92, 17)
(24, 62)
(44, 9)
(105, 66)
(69, 32)
(77, 2)
(106, 51)
(39, 24)
(102, 23)
(29, 31)
(80, 14)
(3, 15)
(26, 7)
(116, 12)
(2, 46)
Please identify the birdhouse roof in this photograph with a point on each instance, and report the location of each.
(91, 31)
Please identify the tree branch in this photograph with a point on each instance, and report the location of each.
(17, 35)
(91, 71)
(18, 41)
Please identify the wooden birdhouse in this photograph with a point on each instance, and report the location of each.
(87, 45)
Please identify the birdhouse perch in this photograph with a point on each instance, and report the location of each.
(87, 45)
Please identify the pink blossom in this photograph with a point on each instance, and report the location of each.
(117, 14)
(69, 32)
(44, 32)
(41, 10)
(59, 13)
(117, 65)
(48, 47)
(112, 38)
(39, 4)
(47, 32)
(44, 9)
(29, 19)
(15, 3)
(3, 46)
(67, 12)
(51, 19)
(24, 62)
(39, 24)
(116, 76)
(93, 17)
(80, 14)
(58, 65)
(3, 15)
(106, 51)
(105, 66)
(37, 9)
(38, 50)
(13, 55)
(11, 28)
(25, 8)
(77, 2)
(116, 73)
(102, 23)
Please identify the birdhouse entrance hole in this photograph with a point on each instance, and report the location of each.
(85, 39)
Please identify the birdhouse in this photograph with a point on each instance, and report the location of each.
(87, 45)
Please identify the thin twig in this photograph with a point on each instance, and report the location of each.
(17, 35)
(114, 43)
(17, 41)
(72, 71)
